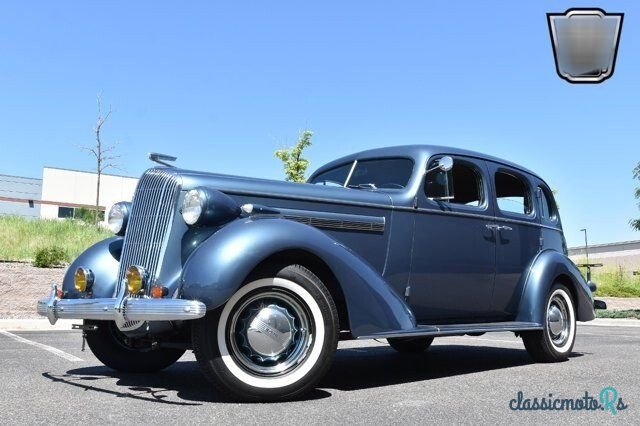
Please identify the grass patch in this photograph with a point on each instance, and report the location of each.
(614, 281)
(630, 313)
(21, 238)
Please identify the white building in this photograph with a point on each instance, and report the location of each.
(64, 190)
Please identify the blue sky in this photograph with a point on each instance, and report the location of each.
(222, 86)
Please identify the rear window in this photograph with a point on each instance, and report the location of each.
(384, 173)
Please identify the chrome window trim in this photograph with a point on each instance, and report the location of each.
(353, 167)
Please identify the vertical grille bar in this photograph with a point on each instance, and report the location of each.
(152, 212)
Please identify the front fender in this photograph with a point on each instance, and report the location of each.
(220, 265)
(547, 268)
(103, 258)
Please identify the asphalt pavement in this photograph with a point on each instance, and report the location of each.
(46, 378)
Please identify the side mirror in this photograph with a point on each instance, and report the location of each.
(445, 163)
(439, 185)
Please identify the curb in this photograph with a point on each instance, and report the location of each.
(39, 324)
(611, 322)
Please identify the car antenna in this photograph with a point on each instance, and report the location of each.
(162, 158)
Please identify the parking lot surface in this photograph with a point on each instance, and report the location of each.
(46, 378)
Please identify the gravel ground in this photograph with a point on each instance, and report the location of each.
(23, 285)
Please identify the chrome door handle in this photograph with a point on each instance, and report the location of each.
(495, 227)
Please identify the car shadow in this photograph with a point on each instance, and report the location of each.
(352, 369)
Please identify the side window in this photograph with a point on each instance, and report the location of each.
(467, 184)
(512, 194)
(547, 205)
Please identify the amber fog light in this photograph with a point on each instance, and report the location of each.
(83, 279)
(136, 277)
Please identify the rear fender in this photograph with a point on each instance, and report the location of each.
(548, 268)
(221, 264)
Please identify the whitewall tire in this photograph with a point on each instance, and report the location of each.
(556, 340)
(273, 339)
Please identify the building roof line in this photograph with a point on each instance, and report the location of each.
(88, 172)
(20, 177)
(619, 243)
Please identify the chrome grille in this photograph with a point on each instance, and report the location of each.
(152, 212)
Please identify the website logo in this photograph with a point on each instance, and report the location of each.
(585, 44)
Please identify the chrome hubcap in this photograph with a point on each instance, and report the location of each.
(270, 333)
(558, 321)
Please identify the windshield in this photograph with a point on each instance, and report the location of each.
(384, 173)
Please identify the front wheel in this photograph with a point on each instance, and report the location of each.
(120, 353)
(274, 339)
(555, 342)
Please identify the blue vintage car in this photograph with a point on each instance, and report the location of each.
(261, 278)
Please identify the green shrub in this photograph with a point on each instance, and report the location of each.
(49, 256)
(87, 215)
(630, 313)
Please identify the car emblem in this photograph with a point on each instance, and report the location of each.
(585, 44)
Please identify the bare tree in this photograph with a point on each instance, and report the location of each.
(105, 158)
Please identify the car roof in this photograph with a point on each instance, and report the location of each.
(417, 152)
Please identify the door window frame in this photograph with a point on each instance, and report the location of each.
(499, 213)
(486, 208)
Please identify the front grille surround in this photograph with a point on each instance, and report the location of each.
(152, 214)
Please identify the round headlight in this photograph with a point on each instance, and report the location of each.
(136, 277)
(193, 206)
(118, 217)
(82, 279)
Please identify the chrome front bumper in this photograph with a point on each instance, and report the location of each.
(120, 309)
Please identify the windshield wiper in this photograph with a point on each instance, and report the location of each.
(364, 186)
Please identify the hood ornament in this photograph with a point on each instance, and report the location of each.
(162, 159)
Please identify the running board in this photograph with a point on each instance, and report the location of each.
(457, 329)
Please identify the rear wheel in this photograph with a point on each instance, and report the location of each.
(555, 342)
(117, 351)
(410, 344)
(274, 339)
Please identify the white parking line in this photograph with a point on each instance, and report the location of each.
(47, 348)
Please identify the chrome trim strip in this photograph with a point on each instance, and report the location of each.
(476, 216)
(307, 198)
(457, 329)
(385, 207)
(121, 309)
(338, 221)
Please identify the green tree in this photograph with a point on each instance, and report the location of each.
(635, 223)
(295, 166)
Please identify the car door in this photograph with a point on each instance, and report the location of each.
(517, 234)
(453, 257)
